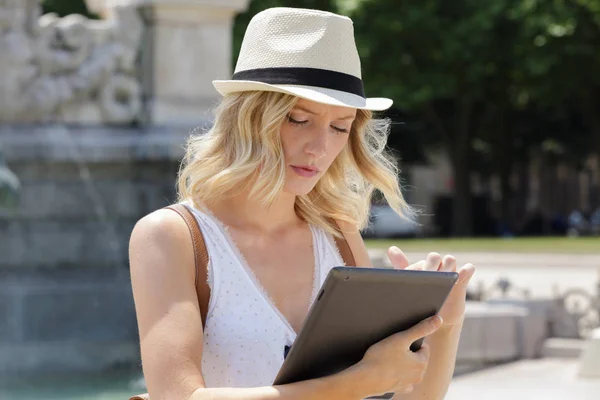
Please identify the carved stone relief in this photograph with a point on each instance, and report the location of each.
(71, 69)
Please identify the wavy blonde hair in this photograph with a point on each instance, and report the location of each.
(243, 149)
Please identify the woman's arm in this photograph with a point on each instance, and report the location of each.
(170, 327)
(161, 264)
(347, 385)
(443, 346)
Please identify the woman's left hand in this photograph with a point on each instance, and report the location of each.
(453, 311)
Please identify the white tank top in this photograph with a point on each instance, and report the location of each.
(245, 335)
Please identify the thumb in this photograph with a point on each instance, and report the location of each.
(422, 329)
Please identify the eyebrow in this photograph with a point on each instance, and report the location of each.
(348, 117)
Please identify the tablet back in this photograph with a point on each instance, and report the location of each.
(356, 308)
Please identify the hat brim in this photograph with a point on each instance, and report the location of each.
(317, 94)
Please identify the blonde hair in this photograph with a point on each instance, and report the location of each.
(243, 149)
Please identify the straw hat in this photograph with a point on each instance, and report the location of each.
(306, 53)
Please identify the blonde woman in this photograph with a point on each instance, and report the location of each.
(294, 153)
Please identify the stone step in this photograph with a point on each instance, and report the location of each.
(562, 348)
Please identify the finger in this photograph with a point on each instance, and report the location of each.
(423, 353)
(419, 265)
(397, 258)
(422, 329)
(449, 264)
(433, 262)
(465, 274)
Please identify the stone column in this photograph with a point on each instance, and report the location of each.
(188, 45)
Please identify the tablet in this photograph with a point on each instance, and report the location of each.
(356, 308)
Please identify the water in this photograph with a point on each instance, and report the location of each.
(107, 386)
(98, 206)
(9, 186)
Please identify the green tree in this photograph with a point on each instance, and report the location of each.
(565, 60)
(480, 72)
(436, 59)
(557, 77)
(66, 7)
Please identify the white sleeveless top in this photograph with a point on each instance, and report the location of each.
(245, 334)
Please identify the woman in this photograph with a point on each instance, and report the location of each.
(293, 154)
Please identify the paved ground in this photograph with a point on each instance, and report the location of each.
(546, 379)
(541, 274)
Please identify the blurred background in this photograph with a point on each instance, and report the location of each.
(496, 126)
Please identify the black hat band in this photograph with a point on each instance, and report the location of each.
(305, 77)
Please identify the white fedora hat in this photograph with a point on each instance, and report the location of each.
(306, 53)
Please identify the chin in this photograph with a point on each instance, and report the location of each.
(298, 190)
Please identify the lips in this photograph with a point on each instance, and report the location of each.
(305, 171)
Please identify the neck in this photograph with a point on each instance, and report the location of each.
(246, 213)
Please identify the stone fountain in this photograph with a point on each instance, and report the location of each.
(93, 117)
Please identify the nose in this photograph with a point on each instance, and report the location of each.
(316, 146)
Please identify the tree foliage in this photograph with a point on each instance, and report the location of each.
(66, 7)
(479, 72)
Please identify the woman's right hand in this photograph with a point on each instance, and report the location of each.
(390, 365)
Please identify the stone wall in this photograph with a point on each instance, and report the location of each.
(65, 292)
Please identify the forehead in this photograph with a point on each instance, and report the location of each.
(325, 109)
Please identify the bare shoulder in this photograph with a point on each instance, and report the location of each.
(159, 241)
(356, 243)
(160, 250)
(157, 227)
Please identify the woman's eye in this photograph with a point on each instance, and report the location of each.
(340, 130)
(295, 122)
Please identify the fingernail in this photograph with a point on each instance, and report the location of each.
(438, 321)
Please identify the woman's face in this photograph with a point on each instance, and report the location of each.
(312, 136)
